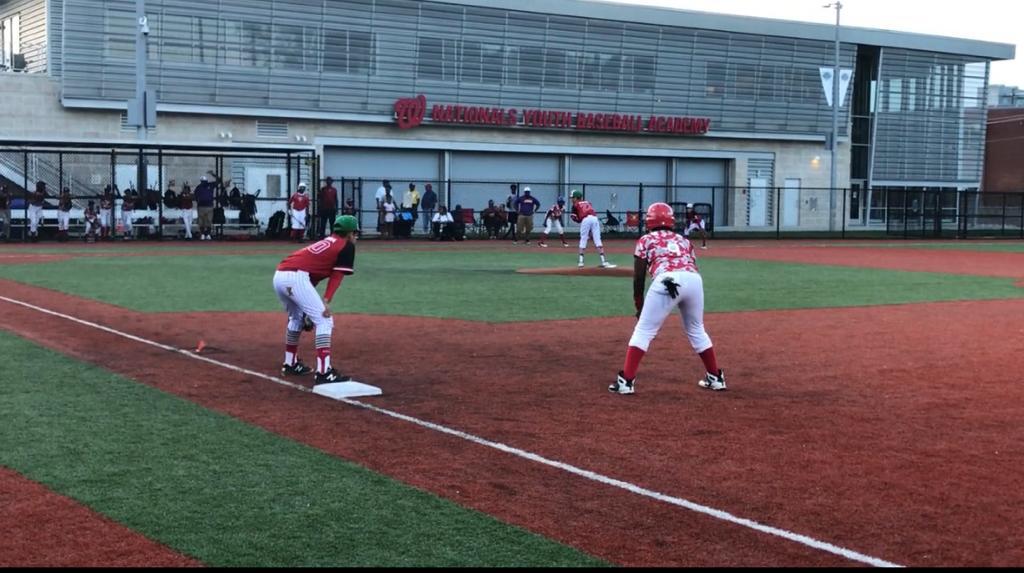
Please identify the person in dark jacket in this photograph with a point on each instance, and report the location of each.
(205, 194)
(428, 203)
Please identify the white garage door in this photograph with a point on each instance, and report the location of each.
(613, 183)
(477, 177)
(703, 181)
(399, 166)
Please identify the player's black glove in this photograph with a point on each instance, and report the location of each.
(672, 287)
(307, 323)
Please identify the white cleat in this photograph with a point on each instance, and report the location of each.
(713, 382)
(623, 386)
(581, 265)
(608, 266)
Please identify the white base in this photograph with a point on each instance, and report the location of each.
(342, 390)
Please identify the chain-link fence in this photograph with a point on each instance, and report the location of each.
(135, 191)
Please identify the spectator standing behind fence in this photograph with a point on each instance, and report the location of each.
(383, 190)
(128, 214)
(298, 206)
(107, 211)
(428, 204)
(205, 193)
(36, 201)
(411, 204)
(388, 209)
(63, 215)
(185, 200)
(526, 205)
(5, 213)
(327, 205)
(513, 213)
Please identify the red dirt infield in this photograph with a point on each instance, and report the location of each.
(44, 529)
(882, 430)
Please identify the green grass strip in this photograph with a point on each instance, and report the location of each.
(224, 492)
(485, 285)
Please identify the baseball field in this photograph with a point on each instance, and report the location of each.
(873, 416)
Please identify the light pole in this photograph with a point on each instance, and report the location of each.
(835, 123)
(141, 35)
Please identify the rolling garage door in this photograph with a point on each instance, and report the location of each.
(399, 166)
(613, 183)
(703, 181)
(477, 177)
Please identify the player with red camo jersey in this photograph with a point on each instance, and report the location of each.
(584, 214)
(295, 282)
(298, 206)
(678, 285)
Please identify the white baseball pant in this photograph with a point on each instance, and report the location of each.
(127, 219)
(553, 224)
(590, 226)
(659, 304)
(63, 220)
(298, 220)
(104, 218)
(299, 296)
(35, 216)
(693, 227)
(186, 218)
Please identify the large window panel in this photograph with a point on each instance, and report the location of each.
(335, 56)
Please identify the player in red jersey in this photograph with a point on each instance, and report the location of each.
(584, 214)
(295, 283)
(694, 222)
(553, 218)
(677, 285)
(298, 206)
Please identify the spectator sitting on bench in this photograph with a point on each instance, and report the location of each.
(443, 225)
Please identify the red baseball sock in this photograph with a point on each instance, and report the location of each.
(323, 360)
(710, 364)
(633, 357)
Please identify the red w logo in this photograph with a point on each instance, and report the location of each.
(409, 112)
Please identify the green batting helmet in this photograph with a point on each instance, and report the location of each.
(345, 224)
(576, 194)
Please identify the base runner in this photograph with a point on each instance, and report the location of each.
(677, 285)
(295, 282)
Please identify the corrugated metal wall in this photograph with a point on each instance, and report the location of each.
(359, 56)
(32, 19)
(931, 117)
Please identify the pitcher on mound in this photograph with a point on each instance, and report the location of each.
(590, 226)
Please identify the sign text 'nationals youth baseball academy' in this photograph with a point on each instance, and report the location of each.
(411, 112)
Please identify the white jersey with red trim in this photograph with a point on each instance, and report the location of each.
(666, 252)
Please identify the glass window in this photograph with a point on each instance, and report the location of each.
(288, 47)
(232, 44)
(10, 38)
(471, 61)
(554, 68)
(611, 72)
(643, 74)
(362, 53)
(119, 26)
(176, 38)
(895, 95)
(746, 81)
(430, 65)
(255, 44)
(335, 56)
(531, 65)
(493, 61)
(715, 77)
(206, 35)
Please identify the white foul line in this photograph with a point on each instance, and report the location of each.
(676, 501)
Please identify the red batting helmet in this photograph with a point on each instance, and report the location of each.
(660, 216)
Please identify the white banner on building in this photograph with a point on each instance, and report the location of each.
(845, 76)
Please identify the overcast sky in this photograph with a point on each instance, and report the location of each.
(990, 20)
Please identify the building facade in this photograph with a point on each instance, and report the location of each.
(1005, 96)
(472, 95)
